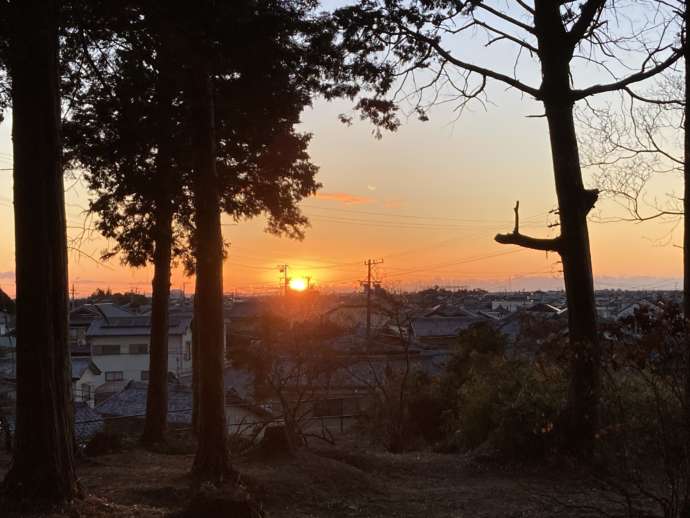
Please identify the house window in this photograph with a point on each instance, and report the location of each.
(114, 376)
(144, 375)
(187, 351)
(138, 349)
(100, 350)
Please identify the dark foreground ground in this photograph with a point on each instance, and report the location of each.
(336, 482)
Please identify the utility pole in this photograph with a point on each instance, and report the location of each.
(369, 263)
(283, 268)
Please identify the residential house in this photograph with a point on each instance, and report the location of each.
(354, 316)
(442, 331)
(129, 407)
(120, 347)
(243, 322)
(511, 302)
(86, 376)
(6, 322)
(80, 319)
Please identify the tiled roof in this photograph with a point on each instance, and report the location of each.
(441, 326)
(131, 401)
(88, 312)
(135, 326)
(80, 365)
(86, 422)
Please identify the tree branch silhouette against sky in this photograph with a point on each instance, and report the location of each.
(427, 195)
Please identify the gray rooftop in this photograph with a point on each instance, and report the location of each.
(131, 401)
(428, 327)
(135, 326)
(81, 365)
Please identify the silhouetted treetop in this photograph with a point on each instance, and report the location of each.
(420, 53)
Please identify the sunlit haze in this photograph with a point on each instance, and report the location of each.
(427, 199)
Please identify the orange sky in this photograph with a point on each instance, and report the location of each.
(427, 199)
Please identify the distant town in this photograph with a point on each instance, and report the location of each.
(110, 335)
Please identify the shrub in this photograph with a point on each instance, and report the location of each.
(511, 405)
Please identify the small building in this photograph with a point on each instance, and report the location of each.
(86, 376)
(120, 347)
(354, 316)
(441, 331)
(80, 320)
(124, 411)
(511, 302)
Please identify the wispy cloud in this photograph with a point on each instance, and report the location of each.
(343, 197)
(6, 275)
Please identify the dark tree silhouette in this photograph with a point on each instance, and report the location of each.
(43, 461)
(250, 102)
(211, 461)
(429, 37)
(128, 130)
(122, 131)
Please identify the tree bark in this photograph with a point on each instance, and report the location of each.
(43, 463)
(685, 511)
(211, 462)
(686, 246)
(195, 373)
(157, 394)
(574, 203)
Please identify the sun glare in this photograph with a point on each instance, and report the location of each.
(298, 284)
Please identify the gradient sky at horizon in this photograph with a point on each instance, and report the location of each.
(427, 199)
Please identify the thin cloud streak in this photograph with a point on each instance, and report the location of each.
(343, 197)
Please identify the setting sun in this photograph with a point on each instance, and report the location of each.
(298, 284)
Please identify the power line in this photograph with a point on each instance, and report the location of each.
(369, 263)
(412, 216)
(283, 268)
(454, 263)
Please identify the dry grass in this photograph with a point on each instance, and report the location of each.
(338, 483)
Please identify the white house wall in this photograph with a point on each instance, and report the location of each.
(132, 365)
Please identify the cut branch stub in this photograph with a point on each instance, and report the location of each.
(516, 238)
(590, 198)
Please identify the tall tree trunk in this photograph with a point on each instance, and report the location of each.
(43, 462)
(686, 250)
(211, 462)
(574, 203)
(195, 372)
(686, 257)
(157, 394)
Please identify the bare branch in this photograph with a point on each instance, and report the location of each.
(631, 79)
(516, 238)
(510, 81)
(503, 16)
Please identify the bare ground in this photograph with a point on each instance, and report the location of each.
(339, 483)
